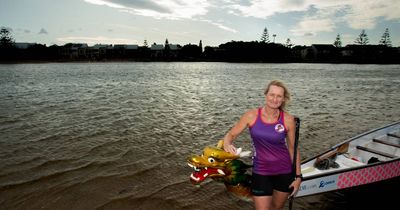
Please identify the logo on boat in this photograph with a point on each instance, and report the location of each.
(307, 187)
(325, 183)
(279, 128)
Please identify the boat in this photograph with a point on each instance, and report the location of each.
(370, 157)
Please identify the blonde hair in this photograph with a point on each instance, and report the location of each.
(286, 93)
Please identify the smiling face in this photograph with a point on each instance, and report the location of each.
(275, 97)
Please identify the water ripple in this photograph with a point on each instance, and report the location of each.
(116, 135)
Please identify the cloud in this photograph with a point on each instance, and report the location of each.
(313, 26)
(320, 20)
(220, 25)
(365, 15)
(159, 9)
(95, 40)
(143, 4)
(104, 3)
(226, 28)
(43, 31)
(316, 16)
(321, 16)
(165, 9)
(265, 9)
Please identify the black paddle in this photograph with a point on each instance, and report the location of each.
(296, 142)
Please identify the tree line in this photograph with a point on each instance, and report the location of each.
(361, 39)
(264, 50)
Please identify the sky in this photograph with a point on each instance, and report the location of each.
(215, 22)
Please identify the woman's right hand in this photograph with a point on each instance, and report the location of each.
(230, 148)
(242, 124)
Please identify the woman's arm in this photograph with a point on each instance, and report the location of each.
(244, 122)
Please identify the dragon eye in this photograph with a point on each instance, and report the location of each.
(211, 160)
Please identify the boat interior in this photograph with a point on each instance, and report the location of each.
(379, 148)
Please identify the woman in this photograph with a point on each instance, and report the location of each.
(272, 130)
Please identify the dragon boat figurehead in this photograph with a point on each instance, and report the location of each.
(221, 166)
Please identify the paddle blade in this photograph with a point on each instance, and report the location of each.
(343, 148)
(339, 150)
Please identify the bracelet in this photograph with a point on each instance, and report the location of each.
(299, 176)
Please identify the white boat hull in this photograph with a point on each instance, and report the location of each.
(354, 169)
(352, 178)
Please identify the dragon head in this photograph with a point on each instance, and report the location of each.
(212, 163)
(221, 166)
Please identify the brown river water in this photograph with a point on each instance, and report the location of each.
(117, 135)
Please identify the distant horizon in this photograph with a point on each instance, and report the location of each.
(149, 45)
(304, 22)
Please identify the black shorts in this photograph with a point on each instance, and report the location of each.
(263, 185)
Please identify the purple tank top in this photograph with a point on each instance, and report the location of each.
(271, 155)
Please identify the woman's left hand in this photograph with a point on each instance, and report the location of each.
(296, 186)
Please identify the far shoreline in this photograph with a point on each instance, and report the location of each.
(181, 61)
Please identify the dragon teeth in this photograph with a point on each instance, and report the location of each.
(221, 172)
(194, 178)
(194, 167)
